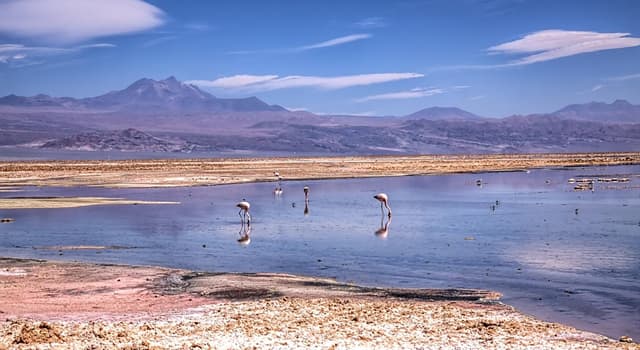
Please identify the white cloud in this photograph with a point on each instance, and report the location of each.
(236, 81)
(552, 44)
(597, 87)
(328, 43)
(625, 77)
(334, 42)
(371, 22)
(72, 21)
(413, 93)
(14, 52)
(274, 82)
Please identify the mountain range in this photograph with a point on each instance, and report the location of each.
(172, 116)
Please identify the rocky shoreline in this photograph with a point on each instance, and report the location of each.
(71, 305)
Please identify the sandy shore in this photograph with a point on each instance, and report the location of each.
(192, 172)
(65, 305)
(67, 202)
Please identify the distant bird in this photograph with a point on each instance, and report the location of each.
(244, 212)
(384, 200)
(278, 190)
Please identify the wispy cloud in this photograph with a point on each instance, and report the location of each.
(18, 55)
(274, 82)
(552, 44)
(478, 97)
(73, 21)
(371, 22)
(597, 87)
(160, 40)
(334, 42)
(327, 43)
(401, 95)
(235, 81)
(625, 77)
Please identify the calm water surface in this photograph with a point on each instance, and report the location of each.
(561, 255)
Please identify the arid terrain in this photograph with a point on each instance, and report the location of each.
(66, 305)
(193, 172)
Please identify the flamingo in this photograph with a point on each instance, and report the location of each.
(383, 199)
(244, 212)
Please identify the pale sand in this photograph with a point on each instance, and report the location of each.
(193, 172)
(60, 305)
(67, 202)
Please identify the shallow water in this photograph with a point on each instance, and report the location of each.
(580, 267)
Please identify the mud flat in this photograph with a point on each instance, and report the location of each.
(75, 305)
(193, 172)
(67, 202)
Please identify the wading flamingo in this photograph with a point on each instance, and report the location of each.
(278, 191)
(244, 212)
(384, 200)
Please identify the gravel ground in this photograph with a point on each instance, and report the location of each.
(194, 172)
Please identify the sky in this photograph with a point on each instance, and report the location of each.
(490, 57)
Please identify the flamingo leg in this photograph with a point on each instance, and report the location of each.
(388, 208)
(248, 218)
(241, 216)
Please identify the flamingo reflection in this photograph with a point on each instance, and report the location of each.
(383, 231)
(306, 200)
(244, 234)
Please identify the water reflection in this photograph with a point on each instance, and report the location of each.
(383, 231)
(244, 234)
(306, 200)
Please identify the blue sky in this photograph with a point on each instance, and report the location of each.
(490, 57)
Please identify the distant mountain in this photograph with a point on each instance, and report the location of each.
(179, 117)
(122, 140)
(148, 95)
(619, 111)
(40, 100)
(442, 113)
